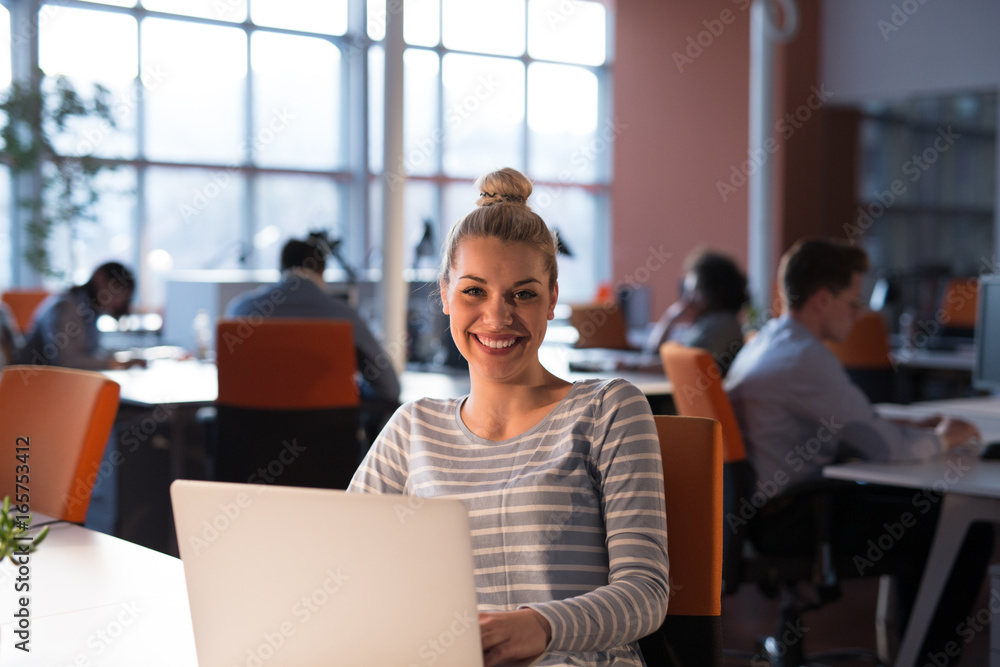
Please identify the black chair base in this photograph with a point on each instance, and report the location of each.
(315, 448)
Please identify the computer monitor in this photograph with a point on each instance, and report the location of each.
(986, 374)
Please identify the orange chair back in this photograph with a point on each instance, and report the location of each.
(600, 325)
(698, 392)
(867, 346)
(23, 303)
(691, 449)
(286, 364)
(959, 303)
(61, 418)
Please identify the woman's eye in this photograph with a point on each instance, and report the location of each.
(524, 294)
(473, 291)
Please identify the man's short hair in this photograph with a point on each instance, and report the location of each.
(303, 255)
(117, 274)
(813, 264)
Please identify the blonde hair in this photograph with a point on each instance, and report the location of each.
(502, 213)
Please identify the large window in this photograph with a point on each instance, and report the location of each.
(238, 125)
(492, 83)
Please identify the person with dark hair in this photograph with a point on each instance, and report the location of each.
(301, 292)
(563, 481)
(798, 411)
(707, 313)
(64, 328)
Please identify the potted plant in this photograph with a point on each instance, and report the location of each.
(12, 534)
(35, 118)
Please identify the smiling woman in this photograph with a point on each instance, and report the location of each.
(563, 482)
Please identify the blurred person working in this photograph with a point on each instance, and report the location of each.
(799, 411)
(64, 328)
(707, 313)
(301, 292)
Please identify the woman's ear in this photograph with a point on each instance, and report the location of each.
(443, 286)
(552, 302)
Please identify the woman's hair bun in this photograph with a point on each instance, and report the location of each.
(503, 185)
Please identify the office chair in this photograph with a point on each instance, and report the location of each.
(958, 307)
(23, 303)
(61, 418)
(600, 325)
(288, 402)
(691, 635)
(698, 392)
(865, 356)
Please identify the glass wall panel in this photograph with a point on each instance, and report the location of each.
(421, 134)
(571, 32)
(296, 112)
(193, 222)
(93, 47)
(77, 251)
(324, 16)
(562, 124)
(197, 111)
(484, 26)
(290, 207)
(422, 22)
(484, 114)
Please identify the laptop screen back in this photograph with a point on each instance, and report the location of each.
(295, 576)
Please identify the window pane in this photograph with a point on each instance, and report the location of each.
(222, 10)
(422, 22)
(484, 114)
(562, 124)
(290, 207)
(184, 205)
(376, 107)
(373, 258)
(577, 214)
(485, 26)
(459, 199)
(4, 47)
(420, 205)
(325, 16)
(196, 109)
(572, 32)
(92, 47)
(376, 19)
(77, 251)
(421, 135)
(297, 90)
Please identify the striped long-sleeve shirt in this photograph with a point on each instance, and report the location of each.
(567, 518)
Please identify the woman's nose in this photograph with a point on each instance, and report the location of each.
(498, 313)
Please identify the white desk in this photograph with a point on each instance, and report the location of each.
(972, 493)
(193, 383)
(943, 360)
(98, 600)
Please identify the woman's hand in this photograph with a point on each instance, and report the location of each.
(511, 635)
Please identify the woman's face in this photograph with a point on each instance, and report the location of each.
(499, 303)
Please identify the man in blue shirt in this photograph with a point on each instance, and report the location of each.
(799, 411)
(301, 292)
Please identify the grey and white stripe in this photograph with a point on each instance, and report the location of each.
(567, 518)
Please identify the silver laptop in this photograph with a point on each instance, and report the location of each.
(295, 577)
